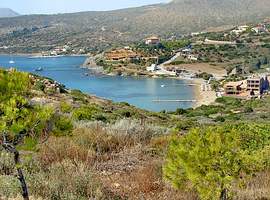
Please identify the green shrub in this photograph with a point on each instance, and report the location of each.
(205, 76)
(65, 107)
(229, 101)
(185, 124)
(39, 85)
(205, 111)
(212, 159)
(90, 112)
(180, 111)
(29, 144)
(77, 95)
(248, 109)
(124, 113)
(63, 126)
(220, 119)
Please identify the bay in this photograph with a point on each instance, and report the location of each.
(139, 91)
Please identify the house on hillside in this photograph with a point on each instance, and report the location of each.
(240, 29)
(192, 57)
(256, 85)
(152, 68)
(235, 88)
(251, 87)
(261, 28)
(152, 41)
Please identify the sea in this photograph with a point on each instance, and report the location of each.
(141, 92)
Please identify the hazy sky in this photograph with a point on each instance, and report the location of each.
(62, 6)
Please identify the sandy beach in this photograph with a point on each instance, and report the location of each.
(202, 97)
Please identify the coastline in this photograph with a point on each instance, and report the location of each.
(38, 55)
(202, 97)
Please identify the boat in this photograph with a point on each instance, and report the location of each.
(162, 86)
(39, 69)
(11, 62)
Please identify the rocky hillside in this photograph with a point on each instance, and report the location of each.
(6, 12)
(100, 29)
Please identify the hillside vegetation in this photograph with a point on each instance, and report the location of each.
(74, 146)
(92, 30)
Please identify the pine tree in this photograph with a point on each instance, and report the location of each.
(209, 160)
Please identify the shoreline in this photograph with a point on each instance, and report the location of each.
(202, 97)
(40, 55)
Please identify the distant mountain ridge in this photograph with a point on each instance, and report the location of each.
(7, 12)
(104, 28)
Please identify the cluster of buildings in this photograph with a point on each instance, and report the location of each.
(63, 50)
(188, 54)
(253, 86)
(260, 28)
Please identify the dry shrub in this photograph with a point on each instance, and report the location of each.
(158, 145)
(148, 179)
(98, 140)
(258, 188)
(114, 137)
(59, 149)
(65, 180)
(9, 187)
(7, 165)
(135, 131)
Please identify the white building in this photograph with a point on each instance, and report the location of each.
(192, 57)
(152, 68)
(240, 29)
(152, 41)
(260, 29)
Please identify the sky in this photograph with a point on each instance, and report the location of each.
(64, 6)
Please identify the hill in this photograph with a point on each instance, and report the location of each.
(101, 29)
(7, 12)
(74, 146)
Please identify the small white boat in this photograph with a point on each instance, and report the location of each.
(162, 86)
(39, 69)
(11, 62)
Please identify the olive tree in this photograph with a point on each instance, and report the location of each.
(211, 159)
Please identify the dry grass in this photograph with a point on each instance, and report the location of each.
(65, 180)
(258, 188)
(58, 149)
(112, 162)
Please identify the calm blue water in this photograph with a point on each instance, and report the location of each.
(136, 91)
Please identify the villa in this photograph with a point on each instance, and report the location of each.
(255, 85)
(152, 41)
(261, 28)
(240, 29)
(235, 88)
(251, 87)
